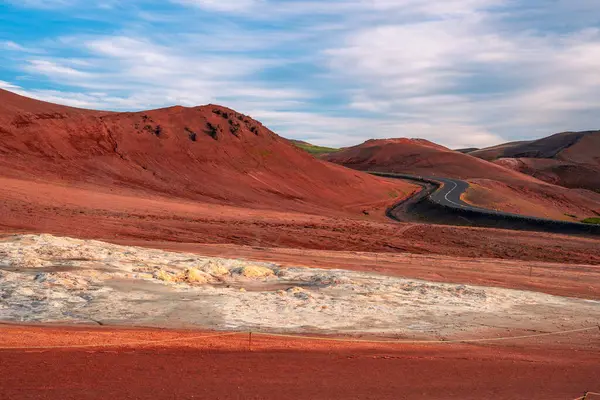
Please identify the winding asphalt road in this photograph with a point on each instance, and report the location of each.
(447, 191)
(441, 198)
(450, 192)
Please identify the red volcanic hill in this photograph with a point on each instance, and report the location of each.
(492, 186)
(208, 154)
(418, 157)
(570, 159)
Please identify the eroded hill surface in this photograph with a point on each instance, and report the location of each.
(210, 154)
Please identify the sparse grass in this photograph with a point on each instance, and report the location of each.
(212, 130)
(191, 134)
(234, 127)
(315, 150)
(595, 221)
(155, 131)
(393, 194)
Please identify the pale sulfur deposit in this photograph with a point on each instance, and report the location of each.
(52, 279)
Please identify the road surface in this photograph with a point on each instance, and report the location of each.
(440, 202)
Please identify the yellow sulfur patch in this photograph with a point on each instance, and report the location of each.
(255, 271)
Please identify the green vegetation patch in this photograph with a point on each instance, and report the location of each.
(315, 150)
(595, 220)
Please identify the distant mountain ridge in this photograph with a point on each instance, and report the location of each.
(570, 159)
(493, 185)
(418, 157)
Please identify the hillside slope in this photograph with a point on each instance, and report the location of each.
(210, 154)
(570, 159)
(492, 186)
(493, 152)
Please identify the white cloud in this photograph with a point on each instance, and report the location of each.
(12, 46)
(421, 56)
(347, 131)
(134, 73)
(223, 5)
(430, 71)
(43, 3)
(269, 9)
(8, 86)
(55, 70)
(65, 4)
(433, 7)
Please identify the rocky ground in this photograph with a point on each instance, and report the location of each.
(44, 278)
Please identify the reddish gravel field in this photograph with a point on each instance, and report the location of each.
(560, 368)
(122, 216)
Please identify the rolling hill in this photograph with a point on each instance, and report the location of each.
(570, 159)
(492, 185)
(418, 157)
(128, 171)
(208, 153)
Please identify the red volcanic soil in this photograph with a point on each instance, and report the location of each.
(493, 185)
(569, 159)
(557, 172)
(117, 217)
(207, 154)
(546, 201)
(185, 366)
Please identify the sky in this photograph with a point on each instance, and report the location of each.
(462, 73)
